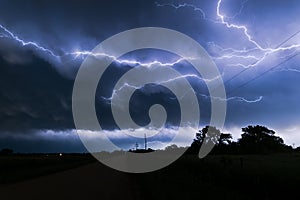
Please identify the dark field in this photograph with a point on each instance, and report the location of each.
(19, 167)
(275, 176)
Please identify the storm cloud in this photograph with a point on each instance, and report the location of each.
(36, 87)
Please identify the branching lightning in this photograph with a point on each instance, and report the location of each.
(242, 99)
(232, 53)
(222, 19)
(138, 87)
(290, 70)
(83, 54)
(258, 53)
(184, 5)
(265, 51)
(9, 34)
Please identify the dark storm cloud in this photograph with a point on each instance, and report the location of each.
(35, 92)
(33, 96)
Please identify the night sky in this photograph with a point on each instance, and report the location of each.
(254, 44)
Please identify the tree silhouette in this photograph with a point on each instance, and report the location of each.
(254, 139)
(209, 134)
(260, 139)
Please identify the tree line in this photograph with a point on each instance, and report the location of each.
(254, 140)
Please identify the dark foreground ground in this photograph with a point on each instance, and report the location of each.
(214, 177)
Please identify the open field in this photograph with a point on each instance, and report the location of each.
(274, 176)
(19, 167)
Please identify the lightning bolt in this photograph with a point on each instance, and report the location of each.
(240, 11)
(241, 99)
(9, 34)
(289, 70)
(184, 5)
(138, 87)
(241, 27)
(6, 33)
(257, 54)
(83, 54)
(267, 51)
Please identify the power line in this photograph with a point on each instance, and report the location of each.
(279, 45)
(262, 74)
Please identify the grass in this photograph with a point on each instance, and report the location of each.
(226, 177)
(19, 167)
(214, 177)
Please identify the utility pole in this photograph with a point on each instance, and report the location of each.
(145, 141)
